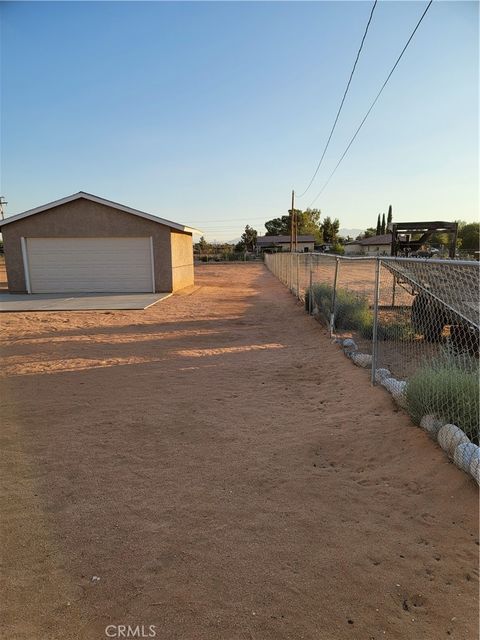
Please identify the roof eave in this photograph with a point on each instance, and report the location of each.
(104, 201)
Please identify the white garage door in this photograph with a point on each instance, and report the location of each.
(57, 265)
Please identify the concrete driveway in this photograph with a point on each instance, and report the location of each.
(78, 301)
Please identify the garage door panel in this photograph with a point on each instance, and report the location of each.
(89, 264)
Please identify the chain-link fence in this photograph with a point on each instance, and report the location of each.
(413, 322)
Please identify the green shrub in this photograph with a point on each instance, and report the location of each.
(401, 331)
(393, 331)
(338, 248)
(447, 387)
(352, 311)
(322, 297)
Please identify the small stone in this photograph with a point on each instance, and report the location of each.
(463, 454)
(449, 437)
(362, 359)
(431, 424)
(349, 345)
(397, 388)
(475, 467)
(381, 374)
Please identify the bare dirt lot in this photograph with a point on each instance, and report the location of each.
(215, 467)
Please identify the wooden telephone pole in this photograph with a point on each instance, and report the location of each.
(293, 225)
(3, 204)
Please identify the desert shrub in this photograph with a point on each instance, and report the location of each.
(447, 387)
(351, 310)
(400, 331)
(322, 297)
(338, 248)
(238, 256)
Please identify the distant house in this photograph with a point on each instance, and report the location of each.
(373, 246)
(282, 243)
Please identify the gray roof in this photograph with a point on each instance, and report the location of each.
(384, 239)
(267, 240)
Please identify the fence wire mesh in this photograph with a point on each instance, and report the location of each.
(414, 322)
(428, 334)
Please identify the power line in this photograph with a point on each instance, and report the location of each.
(220, 220)
(373, 103)
(341, 103)
(207, 227)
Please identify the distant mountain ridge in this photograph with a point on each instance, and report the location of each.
(353, 233)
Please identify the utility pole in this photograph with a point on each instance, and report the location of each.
(3, 202)
(295, 230)
(292, 221)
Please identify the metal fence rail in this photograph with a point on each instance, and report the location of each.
(414, 321)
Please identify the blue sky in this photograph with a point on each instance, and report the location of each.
(210, 113)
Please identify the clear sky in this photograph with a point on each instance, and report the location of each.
(210, 113)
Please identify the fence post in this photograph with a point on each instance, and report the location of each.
(298, 276)
(375, 320)
(334, 298)
(290, 271)
(310, 292)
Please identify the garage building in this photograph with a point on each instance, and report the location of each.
(83, 243)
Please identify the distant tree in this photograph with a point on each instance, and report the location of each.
(330, 229)
(379, 226)
(202, 246)
(308, 223)
(439, 240)
(240, 247)
(278, 226)
(383, 225)
(338, 249)
(368, 233)
(469, 235)
(249, 238)
(389, 216)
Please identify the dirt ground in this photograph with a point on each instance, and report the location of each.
(215, 467)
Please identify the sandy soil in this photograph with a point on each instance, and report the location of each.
(227, 474)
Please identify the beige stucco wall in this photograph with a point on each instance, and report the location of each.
(377, 249)
(182, 259)
(84, 218)
(353, 249)
(367, 250)
(300, 246)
